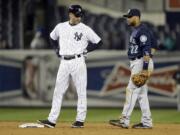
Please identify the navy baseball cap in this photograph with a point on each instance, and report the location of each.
(76, 10)
(132, 12)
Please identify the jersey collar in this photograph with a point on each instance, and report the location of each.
(73, 24)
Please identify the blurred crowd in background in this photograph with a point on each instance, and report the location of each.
(115, 31)
(27, 24)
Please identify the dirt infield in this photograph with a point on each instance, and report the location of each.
(11, 128)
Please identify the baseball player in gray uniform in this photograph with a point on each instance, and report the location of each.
(142, 45)
(74, 40)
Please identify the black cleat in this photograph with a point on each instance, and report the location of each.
(77, 124)
(46, 123)
(141, 126)
(117, 123)
(114, 122)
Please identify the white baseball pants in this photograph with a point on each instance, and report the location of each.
(77, 69)
(133, 93)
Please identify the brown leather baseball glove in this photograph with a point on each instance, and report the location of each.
(139, 79)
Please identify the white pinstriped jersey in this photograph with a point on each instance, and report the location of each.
(73, 39)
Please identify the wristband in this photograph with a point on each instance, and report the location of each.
(145, 65)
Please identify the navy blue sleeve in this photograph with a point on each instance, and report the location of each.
(91, 47)
(54, 43)
(154, 42)
(145, 43)
(55, 46)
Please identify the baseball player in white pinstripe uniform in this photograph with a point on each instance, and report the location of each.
(73, 37)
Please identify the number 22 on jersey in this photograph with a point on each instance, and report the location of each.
(134, 49)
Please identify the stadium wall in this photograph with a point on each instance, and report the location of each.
(27, 78)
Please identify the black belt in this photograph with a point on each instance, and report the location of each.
(69, 57)
(139, 57)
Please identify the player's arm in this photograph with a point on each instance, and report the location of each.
(154, 44)
(91, 47)
(95, 41)
(54, 40)
(55, 45)
(145, 43)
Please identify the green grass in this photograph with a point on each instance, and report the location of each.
(94, 115)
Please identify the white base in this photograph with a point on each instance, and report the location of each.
(31, 125)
